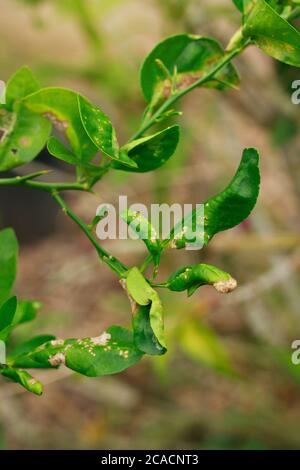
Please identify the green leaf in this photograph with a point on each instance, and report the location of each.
(23, 135)
(8, 262)
(111, 352)
(100, 130)
(27, 310)
(191, 277)
(21, 84)
(152, 322)
(7, 313)
(115, 355)
(201, 344)
(235, 203)
(145, 231)
(230, 207)
(180, 60)
(23, 378)
(273, 34)
(151, 152)
(144, 337)
(60, 106)
(18, 357)
(58, 150)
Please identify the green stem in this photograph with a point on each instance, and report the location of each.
(173, 98)
(27, 180)
(116, 265)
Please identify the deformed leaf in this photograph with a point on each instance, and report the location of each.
(8, 262)
(111, 352)
(21, 84)
(23, 134)
(272, 33)
(60, 106)
(20, 356)
(148, 326)
(104, 355)
(23, 378)
(178, 61)
(145, 231)
(235, 203)
(230, 207)
(191, 277)
(151, 152)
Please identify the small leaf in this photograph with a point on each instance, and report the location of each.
(273, 34)
(145, 231)
(201, 344)
(8, 262)
(60, 106)
(27, 310)
(178, 61)
(100, 130)
(7, 313)
(18, 357)
(144, 336)
(21, 84)
(191, 277)
(151, 152)
(23, 378)
(23, 134)
(144, 295)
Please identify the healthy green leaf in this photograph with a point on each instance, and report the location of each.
(191, 277)
(60, 106)
(8, 262)
(23, 378)
(7, 313)
(149, 321)
(23, 135)
(273, 34)
(151, 152)
(145, 231)
(180, 60)
(21, 84)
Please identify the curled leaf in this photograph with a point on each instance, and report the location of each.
(191, 277)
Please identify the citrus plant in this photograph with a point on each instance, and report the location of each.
(176, 66)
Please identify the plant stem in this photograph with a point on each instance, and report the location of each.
(27, 180)
(173, 98)
(116, 265)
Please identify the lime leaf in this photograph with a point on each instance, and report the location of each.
(23, 135)
(149, 320)
(191, 277)
(178, 61)
(60, 106)
(151, 152)
(23, 378)
(144, 231)
(8, 262)
(273, 34)
(21, 84)
(7, 313)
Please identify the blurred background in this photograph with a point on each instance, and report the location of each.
(227, 381)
